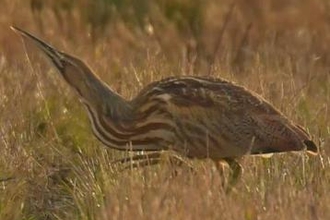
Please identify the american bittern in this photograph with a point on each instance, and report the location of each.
(193, 116)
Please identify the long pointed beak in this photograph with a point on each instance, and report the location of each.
(55, 55)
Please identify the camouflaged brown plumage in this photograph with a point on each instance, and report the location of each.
(193, 116)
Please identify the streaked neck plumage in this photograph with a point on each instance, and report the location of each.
(95, 94)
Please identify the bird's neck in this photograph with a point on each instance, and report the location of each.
(111, 104)
(116, 107)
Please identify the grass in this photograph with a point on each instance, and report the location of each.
(60, 171)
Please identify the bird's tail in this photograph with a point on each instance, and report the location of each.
(310, 145)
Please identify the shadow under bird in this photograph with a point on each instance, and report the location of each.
(193, 116)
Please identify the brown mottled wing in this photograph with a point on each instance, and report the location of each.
(215, 118)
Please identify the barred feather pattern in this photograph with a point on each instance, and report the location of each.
(194, 116)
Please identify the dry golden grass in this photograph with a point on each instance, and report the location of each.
(60, 171)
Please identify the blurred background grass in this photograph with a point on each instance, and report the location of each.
(277, 48)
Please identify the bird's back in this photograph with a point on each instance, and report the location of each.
(216, 118)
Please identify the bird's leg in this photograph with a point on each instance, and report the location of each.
(235, 172)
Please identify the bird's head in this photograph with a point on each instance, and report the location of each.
(74, 71)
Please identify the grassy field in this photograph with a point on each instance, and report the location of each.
(52, 167)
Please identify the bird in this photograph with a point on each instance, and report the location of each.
(193, 116)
